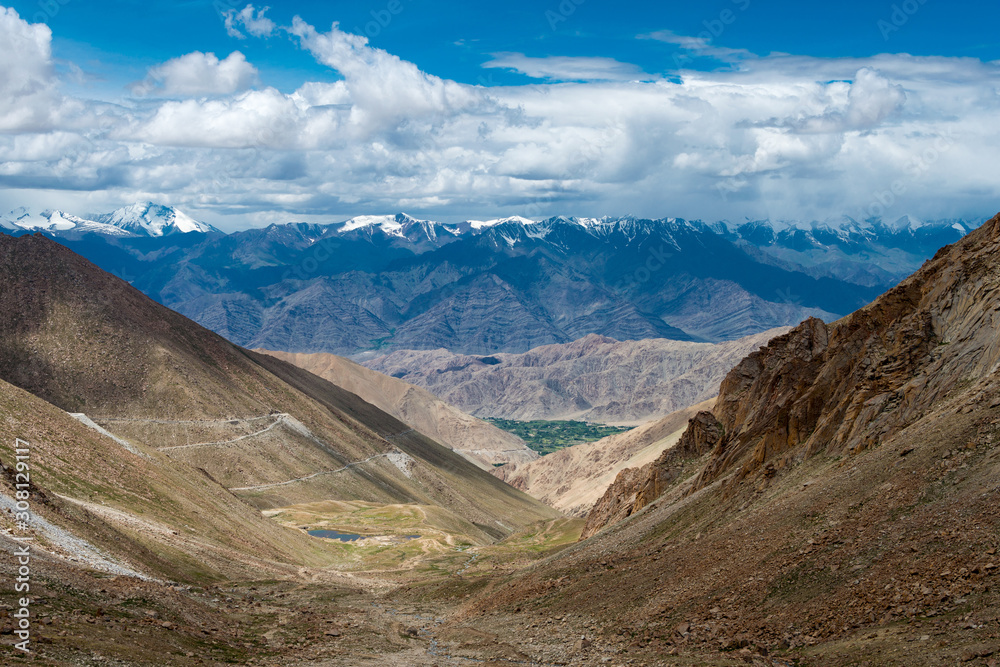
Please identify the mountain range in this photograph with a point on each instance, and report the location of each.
(835, 505)
(594, 379)
(374, 284)
(136, 220)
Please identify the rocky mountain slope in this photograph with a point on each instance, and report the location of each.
(771, 548)
(842, 388)
(263, 429)
(380, 283)
(573, 479)
(836, 506)
(480, 442)
(593, 379)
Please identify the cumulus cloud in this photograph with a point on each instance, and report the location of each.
(871, 99)
(561, 68)
(382, 87)
(779, 135)
(254, 23)
(199, 73)
(27, 83)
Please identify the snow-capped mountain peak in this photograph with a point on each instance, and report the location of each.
(22, 218)
(149, 219)
(389, 224)
(485, 224)
(140, 219)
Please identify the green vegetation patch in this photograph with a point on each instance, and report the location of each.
(546, 437)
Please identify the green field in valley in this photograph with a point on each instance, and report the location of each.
(546, 437)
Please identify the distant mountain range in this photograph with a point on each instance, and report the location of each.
(136, 220)
(373, 284)
(593, 379)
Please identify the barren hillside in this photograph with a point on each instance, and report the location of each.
(837, 506)
(268, 431)
(476, 440)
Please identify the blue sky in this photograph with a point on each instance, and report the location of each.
(121, 39)
(457, 110)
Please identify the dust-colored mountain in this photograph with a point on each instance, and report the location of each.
(152, 446)
(831, 555)
(844, 387)
(573, 479)
(837, 506)
(480, 442)
(594, 379)
(266, 430)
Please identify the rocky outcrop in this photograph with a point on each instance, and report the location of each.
(634, 488)
(594, 378)
(845, 387)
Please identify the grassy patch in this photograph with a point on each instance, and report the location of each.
(546, 437)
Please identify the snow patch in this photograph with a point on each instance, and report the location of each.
(87, 421)
(401, 460)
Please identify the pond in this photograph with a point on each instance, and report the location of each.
(336, 535)
(349, 537)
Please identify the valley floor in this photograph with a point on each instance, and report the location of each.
(393, 602)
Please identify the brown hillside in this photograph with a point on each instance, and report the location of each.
(846, 387)
(480, 442)
(844, 510)
(270, 432)
(595, 378)
(573, 479)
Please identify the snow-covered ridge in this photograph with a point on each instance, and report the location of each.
(149, 219)
(139, 219)
(484, 224)
(389, 224)
(795, 236)
(56, 221)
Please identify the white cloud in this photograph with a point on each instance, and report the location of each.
(258, 26)
(199, 73)
(561, 68)
(700, 46)
(787, 136)
(384, 90)
(27, 84)
(872, 99)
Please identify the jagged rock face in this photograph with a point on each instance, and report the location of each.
(847, 386)
(634, 488)
(703, 433)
